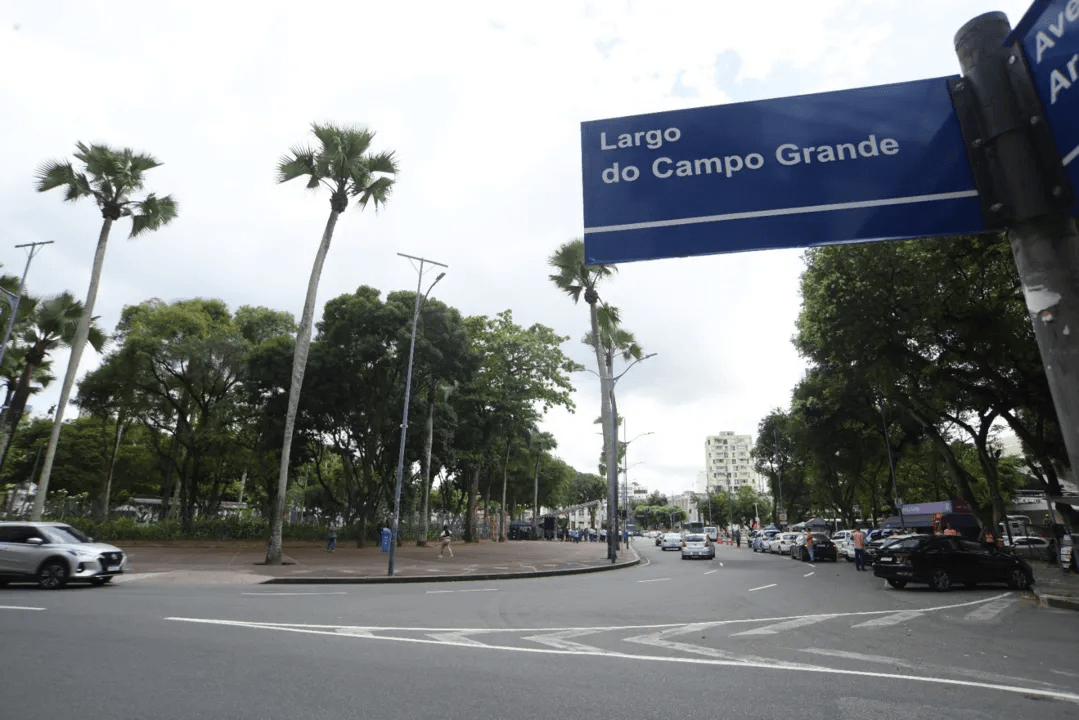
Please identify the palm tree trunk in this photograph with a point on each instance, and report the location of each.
(77, 346)
(428, 441)
(505, 477)
(15, 409)
(608, 429)
(299, 364)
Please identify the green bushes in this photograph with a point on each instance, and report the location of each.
(230, 528)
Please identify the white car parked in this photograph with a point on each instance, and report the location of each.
(782, 543)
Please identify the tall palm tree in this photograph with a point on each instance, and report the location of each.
(110, 177)
(53, 323)
(343, 164)
(573, 277)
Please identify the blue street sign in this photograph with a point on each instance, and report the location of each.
(1049, 33)
(875, 163)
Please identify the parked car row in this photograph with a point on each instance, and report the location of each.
(793, 544)
(936, 560)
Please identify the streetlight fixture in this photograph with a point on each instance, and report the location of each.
(612, 482)
(12, 299)
(408, 394)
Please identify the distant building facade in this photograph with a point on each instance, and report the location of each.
(727, 462)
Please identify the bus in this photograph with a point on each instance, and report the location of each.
(692, 528)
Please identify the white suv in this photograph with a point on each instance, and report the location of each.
(53, 554)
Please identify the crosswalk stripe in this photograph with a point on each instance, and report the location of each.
(887, 620)
(783, 626)
(990, 610)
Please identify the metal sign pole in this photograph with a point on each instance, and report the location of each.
(1032, 193)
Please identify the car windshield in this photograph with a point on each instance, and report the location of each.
(63, 534)
(694, 538)
(910, 543)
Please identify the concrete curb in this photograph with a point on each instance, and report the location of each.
(1061, 602)
(397, 579)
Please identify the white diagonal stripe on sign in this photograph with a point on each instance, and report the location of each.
(990, 610)
(887, 620)
(558, 640)
(783, 626)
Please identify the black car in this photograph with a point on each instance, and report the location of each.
(942, 561)
(823, 548)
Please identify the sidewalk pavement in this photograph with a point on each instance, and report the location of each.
(1055, 588)
(241, 562)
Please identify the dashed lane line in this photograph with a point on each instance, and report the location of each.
(762, 587)
(711, 571)
(18, 607)
(808, 574)
(654, 580)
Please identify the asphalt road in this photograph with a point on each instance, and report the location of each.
(746, 635)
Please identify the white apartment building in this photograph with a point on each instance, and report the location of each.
(727, 462)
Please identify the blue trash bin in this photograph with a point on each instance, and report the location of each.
(387, 536)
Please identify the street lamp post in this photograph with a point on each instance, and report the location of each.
(730, 507)
(408, 394)
(626, 466)
(13, 298)
(891, 466)
(612, 489)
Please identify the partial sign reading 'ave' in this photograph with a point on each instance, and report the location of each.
(1050, 38)
(874, 163)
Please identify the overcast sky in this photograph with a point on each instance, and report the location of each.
(482, 102)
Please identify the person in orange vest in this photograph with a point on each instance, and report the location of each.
(809, 545)
(858, 539)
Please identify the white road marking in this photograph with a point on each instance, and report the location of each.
(438, 592)
(500, 567)
(481, 590)
(920, 666)
(711, 571)
(558, 640)
(1061, 672)
(811, 565)
(784, 626)
(888, 620)
(808, 574)
(18, 607)
(990, 610)
(456, 638)
(762, 587)
(654, 580)
(294, 593)
(721, 564)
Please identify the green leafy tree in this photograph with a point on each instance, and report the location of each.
(344, 164)
(51, 324)
(111, 177)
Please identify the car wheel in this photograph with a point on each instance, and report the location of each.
(1017, 579)
(53, 575)
(1075, 564)
(940, 581)
(897, 584)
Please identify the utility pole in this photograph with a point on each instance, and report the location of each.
(408, 394)
(891, 466)
(1024, 189)
(13, 299)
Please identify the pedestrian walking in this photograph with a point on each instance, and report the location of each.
(444, 536)
(809, 546)
(738, 537)
(331, 538)
(858, 540)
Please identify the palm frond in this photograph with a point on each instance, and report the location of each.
(299, 162)
(377, 192)
(153, 213)
(58, 173)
